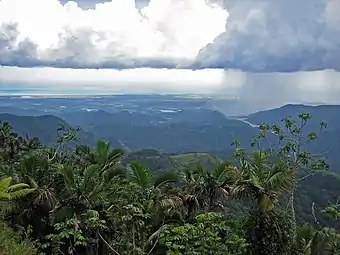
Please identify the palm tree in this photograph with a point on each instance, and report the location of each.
(81, 190)
(35, 169)
(9, 142)
(208, 189)
(102, 155)
(139, 174)
(263, 181)
(161, 199)
(311, 241)
(10, 192)
(30, 144)
(5, 131)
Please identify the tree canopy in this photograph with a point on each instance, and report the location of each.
(83, 200)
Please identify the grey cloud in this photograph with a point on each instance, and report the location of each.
(261, 36)
(280, 35)
(86, 4)
(23, 54)
(260, 91)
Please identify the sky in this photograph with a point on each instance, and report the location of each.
(279, 51)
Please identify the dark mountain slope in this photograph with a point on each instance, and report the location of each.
(44, 127)
(329, 140)
(328, 113)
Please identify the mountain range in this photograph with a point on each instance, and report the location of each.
(171, 134)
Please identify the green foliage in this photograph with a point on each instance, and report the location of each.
(211, 233)
(11, 243)
(269, 233)
(9, 193)
(15, 191)
(68, 234)
(87, 200)
(333, 211)
(312, 241)
(262, 179)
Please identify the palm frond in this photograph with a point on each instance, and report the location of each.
(68, 172)
(244, 190)
(102, 152)
(5, 183)
(90, 172)
(201, 171)
(139, 174)
(20, 193)
(279, 178)
(192, 204)
(170, 202)
(15, 187)
(46, 198)
(114, 172)
(220, 171)
(165, 178)
(12, 192)
(223, 192)
(116, 154)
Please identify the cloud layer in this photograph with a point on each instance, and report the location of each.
(251, 35)
(165, 33)
(280, 35)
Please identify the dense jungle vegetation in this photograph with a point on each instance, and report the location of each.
(73, 199)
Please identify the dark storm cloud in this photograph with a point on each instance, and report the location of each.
(280, 35)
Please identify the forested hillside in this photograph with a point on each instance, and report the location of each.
(45, 127)
(271, 199)
(145, 125)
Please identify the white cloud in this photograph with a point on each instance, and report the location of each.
(114, 33)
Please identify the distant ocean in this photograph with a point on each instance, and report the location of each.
(7, 90)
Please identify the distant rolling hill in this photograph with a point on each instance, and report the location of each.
(180, 131)
(321, 188)
(157, 161)
(198, 130)
(329, 139)
(44, 127)
(191, 160)
(328, 113)
(154, 160)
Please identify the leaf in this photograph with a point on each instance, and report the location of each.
(140, 175)
(4, 184)
(165, 178)
(15, 187)
(68, 172)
